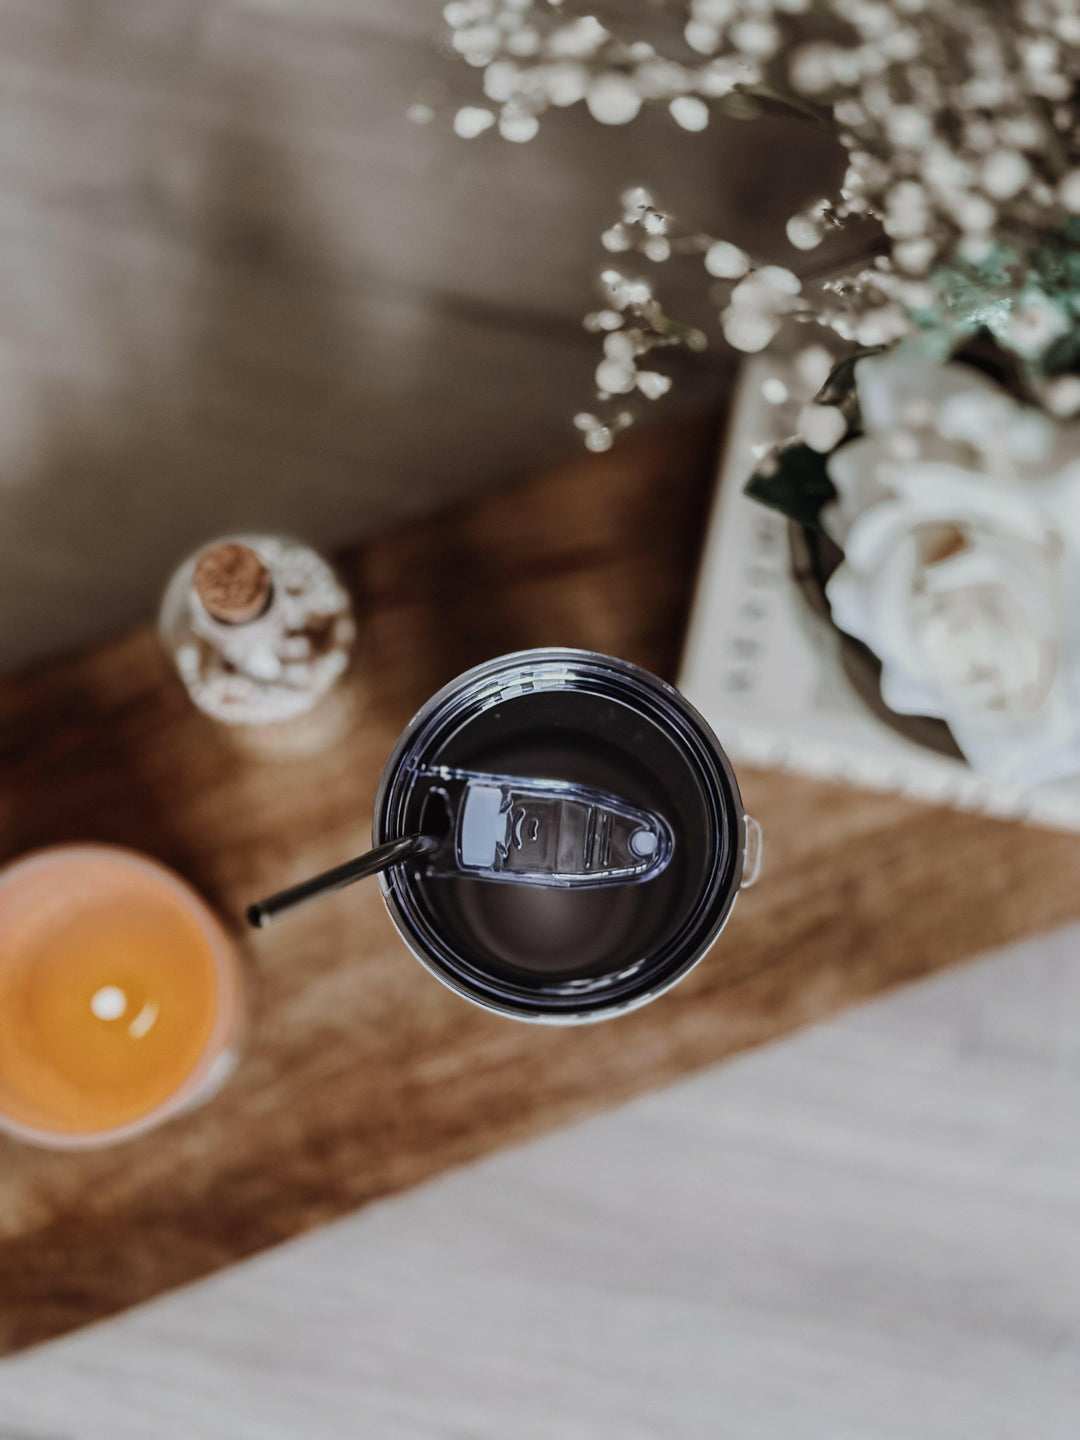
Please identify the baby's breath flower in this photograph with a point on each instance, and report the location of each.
(1069, 192)
(518, 125)
(613, 99)
(1063, 396)
(1004, 172)
(726, 261)
(822, 427)
(616, 239)
(690, 112)
(958, 119)
(702, 37)
(749, 330)
(472, 120)
(652, 384)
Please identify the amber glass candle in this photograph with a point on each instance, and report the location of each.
(119, 996)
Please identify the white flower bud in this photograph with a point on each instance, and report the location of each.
(689, 112)
(613, 99)
(974, 214)
(975, 248)
(475, 41)
(501, 80)
(714, 12)
(565, 83)
(523, 42)
(906, 210)
(780, 279)
(915, 256)
(811, 70)
(615, 239)
(518, 126)
(908, 127)
(748, 330)
(1040, 54)
(652, 384)
(901, 45)
(721, 77)
(726, 261)
(657, 249)
(822, 427)
(753, 293)
(882, 327)
(773, 390)
(846, 66)
(812, 365)
(943, 169)
(804, 232)
(660, 79)
(1069, 192)
(578, 39)
(619, 346)
(1005, 173)
(849, 112)
(601, 320)
(634, 200)
(1063, 395)
(759, 39)
(705, 39)
(614, 378)
(472, 120)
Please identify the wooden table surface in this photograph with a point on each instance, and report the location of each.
(361, 1074)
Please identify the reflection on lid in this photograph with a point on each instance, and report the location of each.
(539, 832)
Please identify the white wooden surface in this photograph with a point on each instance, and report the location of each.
(869, 1232)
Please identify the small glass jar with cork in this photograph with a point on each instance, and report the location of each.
(259, 628)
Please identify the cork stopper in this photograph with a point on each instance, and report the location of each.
(232, 583)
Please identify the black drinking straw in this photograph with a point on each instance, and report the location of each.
(263, 912)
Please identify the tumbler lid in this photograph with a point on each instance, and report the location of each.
(551, 833)
(543, 695)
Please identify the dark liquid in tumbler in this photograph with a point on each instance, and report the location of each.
(526, 933)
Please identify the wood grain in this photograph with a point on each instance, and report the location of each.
(362, 1075)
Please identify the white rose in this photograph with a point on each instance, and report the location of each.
(958, 512)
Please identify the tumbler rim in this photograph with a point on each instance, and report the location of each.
(502, 678)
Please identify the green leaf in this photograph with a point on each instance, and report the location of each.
(1063, 355)
(839, 388)
(796, 483)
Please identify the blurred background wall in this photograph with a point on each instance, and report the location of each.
(239, 288)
